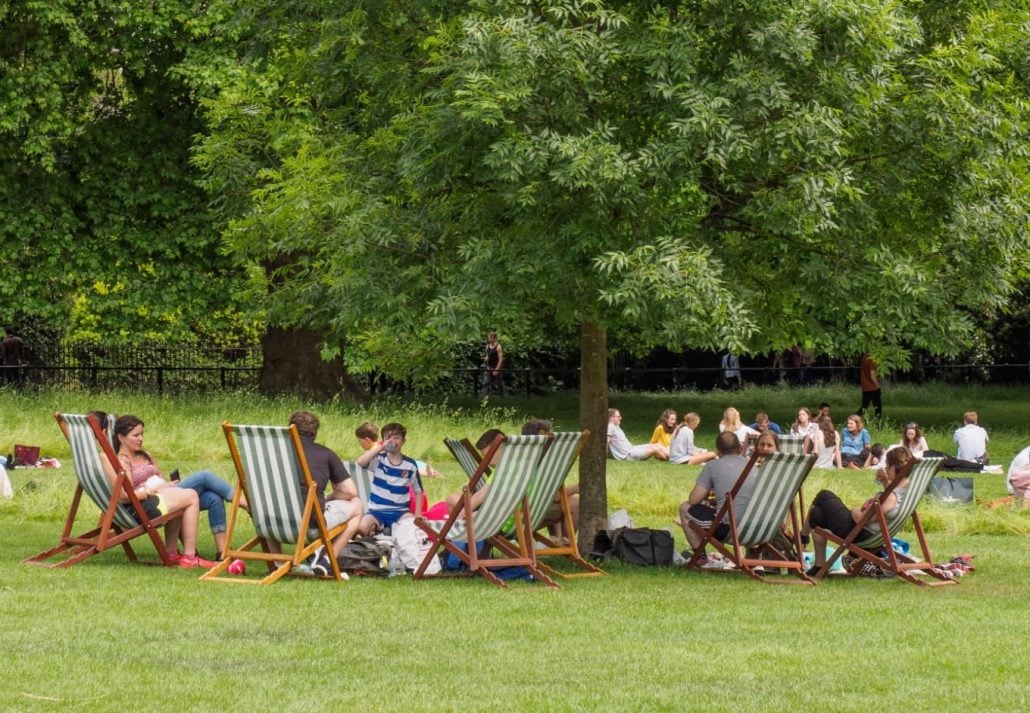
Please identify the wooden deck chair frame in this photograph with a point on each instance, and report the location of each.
(919, 472)
(116, 525)
(778, 494)
(521, 453)
(262, 492)
(548, 483)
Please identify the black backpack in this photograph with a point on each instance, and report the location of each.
(365, 556)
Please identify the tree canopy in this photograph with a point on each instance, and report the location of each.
(841, 174)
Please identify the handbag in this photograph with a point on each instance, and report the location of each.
(643, 546)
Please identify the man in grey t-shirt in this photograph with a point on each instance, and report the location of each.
(621, 449)
(719, 475)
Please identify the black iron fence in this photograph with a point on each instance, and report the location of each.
(192, 368)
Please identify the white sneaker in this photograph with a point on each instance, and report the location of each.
(993, 469)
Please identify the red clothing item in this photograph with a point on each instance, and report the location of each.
(867, 374)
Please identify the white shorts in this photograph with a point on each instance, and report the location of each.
(637, 452)
(337, 512)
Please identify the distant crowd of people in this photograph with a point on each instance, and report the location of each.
(851, 447)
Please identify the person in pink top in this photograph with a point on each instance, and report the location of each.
(161, 496)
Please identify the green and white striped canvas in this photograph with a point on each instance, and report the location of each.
(515, 468)
(90, 469)
(461, 454)
(362, 479)
(776, 483)
(551, 471)
(918, 481)
(790, 443)
(273, 473)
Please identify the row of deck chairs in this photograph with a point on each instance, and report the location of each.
(527, 477)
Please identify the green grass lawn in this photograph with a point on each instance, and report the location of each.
(105, 635)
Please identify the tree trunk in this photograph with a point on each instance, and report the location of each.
(292, 363)
(593, 415)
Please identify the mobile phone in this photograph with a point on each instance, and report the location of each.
(174, 476)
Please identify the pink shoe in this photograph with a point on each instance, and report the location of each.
(172, 559)
(191, 561)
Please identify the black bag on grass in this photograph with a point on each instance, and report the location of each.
(365, 556)
(643, 546)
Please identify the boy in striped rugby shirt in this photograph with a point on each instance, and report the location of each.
(394, 473)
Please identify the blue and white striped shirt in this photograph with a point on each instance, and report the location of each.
(390, 483)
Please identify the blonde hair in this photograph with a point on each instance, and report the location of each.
(730, 420)
(970, 417)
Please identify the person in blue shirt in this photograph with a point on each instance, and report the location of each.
(762, 424)
(854, 442)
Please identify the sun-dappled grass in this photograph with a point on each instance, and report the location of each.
(106, 635)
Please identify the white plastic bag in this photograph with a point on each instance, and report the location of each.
(6, 489)
(410, 546)
(619, 518)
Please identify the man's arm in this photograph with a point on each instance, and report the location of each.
(345, 490)
(698, 494)
(500, 358)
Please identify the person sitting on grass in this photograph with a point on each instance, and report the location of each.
(343, 505)
(804, 425)
(683, 451)
(763, 424)
(394, 473)
(621, 449)
(159, 496)
(731, 423)
(971, 439)
(825, 445)
(914, 440)
(719, 475)
(664, 428)
(854, 442)
(830, 513)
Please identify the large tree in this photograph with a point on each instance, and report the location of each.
(843, 174)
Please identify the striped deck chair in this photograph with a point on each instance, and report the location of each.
(270, 466)
(362, 479)
(548, 484)
(464, 527)
(468, 458)
(877, 549)
(759, 530)
(792, 443)
(91, 448)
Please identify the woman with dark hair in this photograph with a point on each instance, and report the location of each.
(825, 445)
(829, 513)
(914, 440)
(201, 491)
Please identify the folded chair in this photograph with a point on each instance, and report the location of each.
(90, 448)
(877, 549)
(270, 466)
(759, 530)
(463, 528)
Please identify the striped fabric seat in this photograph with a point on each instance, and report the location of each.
(362, 478)
(918, 483)
(117, 526)
(511, 479)
(874, 549)
(462, 455)
(270, 468)
(513, 472)
(90, 469)
(777, 482)
(551, 471)
(792, 443)
(757, 536)
(273, 474)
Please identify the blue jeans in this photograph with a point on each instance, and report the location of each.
(213, 493)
